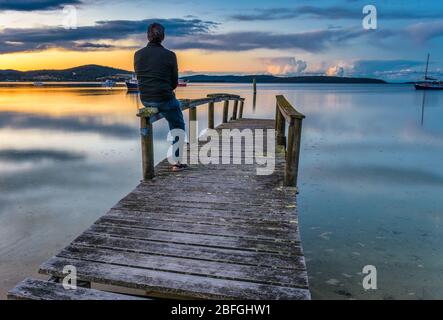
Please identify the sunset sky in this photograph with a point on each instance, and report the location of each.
(272, 37)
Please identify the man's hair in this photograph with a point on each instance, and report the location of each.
(156, 32)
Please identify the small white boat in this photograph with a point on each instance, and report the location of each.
(132, 84)
(38, 84)
(108, 83)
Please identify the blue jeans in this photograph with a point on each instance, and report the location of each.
(172, 112)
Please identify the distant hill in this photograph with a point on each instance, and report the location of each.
(94, 72)
(273, 79)
(83, 73)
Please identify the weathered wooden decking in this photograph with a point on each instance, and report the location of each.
(214, 231)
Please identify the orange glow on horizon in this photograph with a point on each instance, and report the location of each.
(189, 60)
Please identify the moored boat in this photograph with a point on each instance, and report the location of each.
(132, 84)
(182, 82)
(429, 83)
(108, 84)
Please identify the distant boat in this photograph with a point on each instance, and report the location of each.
(429, 83)
(132, 84)
(182, 82)
(108, 83)
(38, 84)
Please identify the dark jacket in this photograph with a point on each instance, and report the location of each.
(157, 72)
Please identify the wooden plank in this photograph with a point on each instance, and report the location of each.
(197, 206)
(287, 110)
(226, 231)
(258, 274)
(223, 220)
(243, 257)
(145, 218)
(179, 284)
(256, 245)
(208, 197)
(234, 216)
(33, 289)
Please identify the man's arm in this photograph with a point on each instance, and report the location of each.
(174, 76)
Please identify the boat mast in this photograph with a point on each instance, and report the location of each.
(427, 66)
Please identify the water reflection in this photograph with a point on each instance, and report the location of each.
(371, 177)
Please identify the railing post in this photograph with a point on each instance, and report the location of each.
(193, 124)
(293, 152)
(211, 115)
(225, 111)
(280, 126)
(147, 142)
(240, 113)
(234, 111)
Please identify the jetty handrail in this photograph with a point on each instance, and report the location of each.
(286, 113)
(149, 115)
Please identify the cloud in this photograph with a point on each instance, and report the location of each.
(26, 5)
(287, 66)
(312, 41)
(15, 155)
(335, 71)
(29, 39)
(332, 13)
(388, 69)
(90, 46)
(17, 120)
(425, 31)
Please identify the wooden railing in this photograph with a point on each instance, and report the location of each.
(286, 114)
(149, 115)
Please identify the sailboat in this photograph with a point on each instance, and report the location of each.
(429, 83)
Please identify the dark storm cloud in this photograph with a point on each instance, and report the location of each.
(90, 45)
(14, 155)
(332, 13)
(27, 5)
(65, 124)
(28, 39)
(312, 41)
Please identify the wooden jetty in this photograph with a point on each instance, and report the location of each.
(216, 231)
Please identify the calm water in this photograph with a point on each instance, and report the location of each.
(371, 177)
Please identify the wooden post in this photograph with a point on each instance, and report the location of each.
(225, 111)
(240, 113)
(192, 128)
(147, 141)
(254, 84)
(234, 111)
(280, 126)
(293, 153)
(211, 115)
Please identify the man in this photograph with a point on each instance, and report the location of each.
(157, 75)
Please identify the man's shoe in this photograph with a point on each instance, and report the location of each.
(179, 167)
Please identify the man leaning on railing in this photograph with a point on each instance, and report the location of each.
(157, 74)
